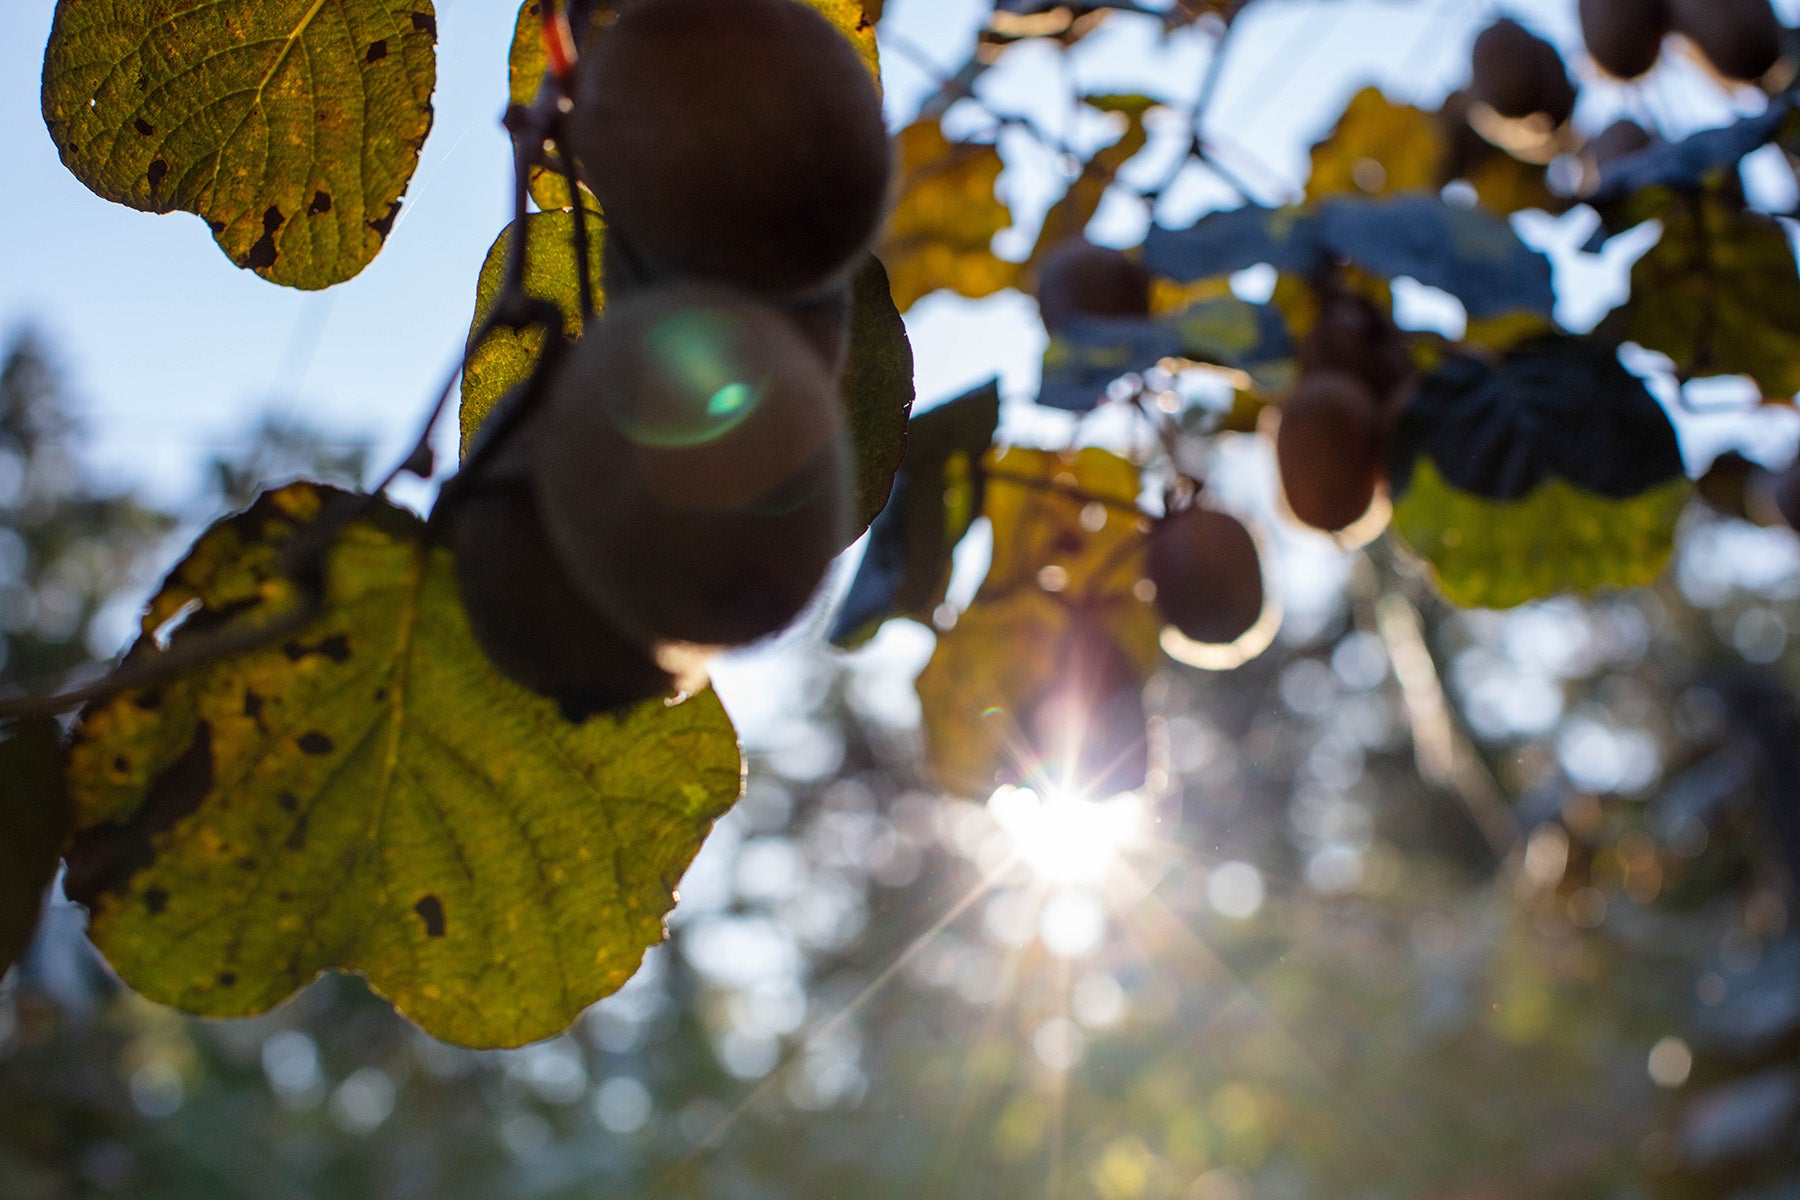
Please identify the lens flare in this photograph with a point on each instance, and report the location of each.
(700, 394)
(1065, 838)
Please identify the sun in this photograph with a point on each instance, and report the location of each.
(1067, 839)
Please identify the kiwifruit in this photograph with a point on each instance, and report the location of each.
(695, 473)
(1784, 490)
(1351, 334)
(1740, 38)
(1207, 572)
(1506, 69)
(1556, 91)
(1624, 37)
(1328, 449)
(523, 609)
(1622, 138)
(737, 140)
(1080, 279)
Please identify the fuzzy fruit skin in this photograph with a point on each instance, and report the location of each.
(737, 140)
(1208, 574)
(1624, 36)
(1740, 38)
(695, 475)
(525, 612)
(1352, 335)
(1618, 140)
(1079, 279)
(1328, 449)
(1784, 490)
(1505, 68)
(1517, 73)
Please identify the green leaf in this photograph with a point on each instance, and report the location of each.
(877, 388)
(1496, 554)
(34, 820)
(290, 126)
(504, 360)
(526, 63)
(1719, 294)
(370, 795)
(1554, 470)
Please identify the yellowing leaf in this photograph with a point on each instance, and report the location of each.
(290, 126)
(1377, 148)
(526, 63)
(1720, 295)
(1557, 538)
(1064, 571)
(370, 795)
(1069, 216)
(941, 230)
(853, 19)
(504, 360)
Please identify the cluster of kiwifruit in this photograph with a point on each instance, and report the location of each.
(1331, 444)
(1740, 39)
(685, 476)
(1203, 562)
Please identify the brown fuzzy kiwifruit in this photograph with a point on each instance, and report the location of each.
(525, 612)
(1624, 36)
(695, 470)
(1621, 139)
(1080, 279)
(1208, 574)
(1329, 449)
(1740, 38)
(1505, 69)
(736, 140)
(1351, 334)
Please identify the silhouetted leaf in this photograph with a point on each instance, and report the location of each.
(1556, 471)
(1221, 243)
(905, 566)
(34, 820)
(1088, 353)
(941, 229)
(1472, 254)
(1065, 571)
(369, 794)
(877, 387)
(290, 126)
(1687, 164)
(1719, 294)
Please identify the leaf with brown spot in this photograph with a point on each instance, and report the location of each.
(492, 868)
(232, 109)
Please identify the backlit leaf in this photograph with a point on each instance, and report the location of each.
(941, 229)
(505, 359)
(525, 66)
(290, 126)
(1377, 147)
(1554, 471)
(370, 795)
(34, 820)
(1064, 573)
(1720, 295)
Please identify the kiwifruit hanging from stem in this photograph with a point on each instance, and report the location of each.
(1740, 38)
(736, 140)
(695, 471)
(1624, 37)
(1079, 279)
(1329, 449)
(1207, 573)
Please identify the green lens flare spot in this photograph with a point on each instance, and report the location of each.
(730, 399)
(700, 391)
